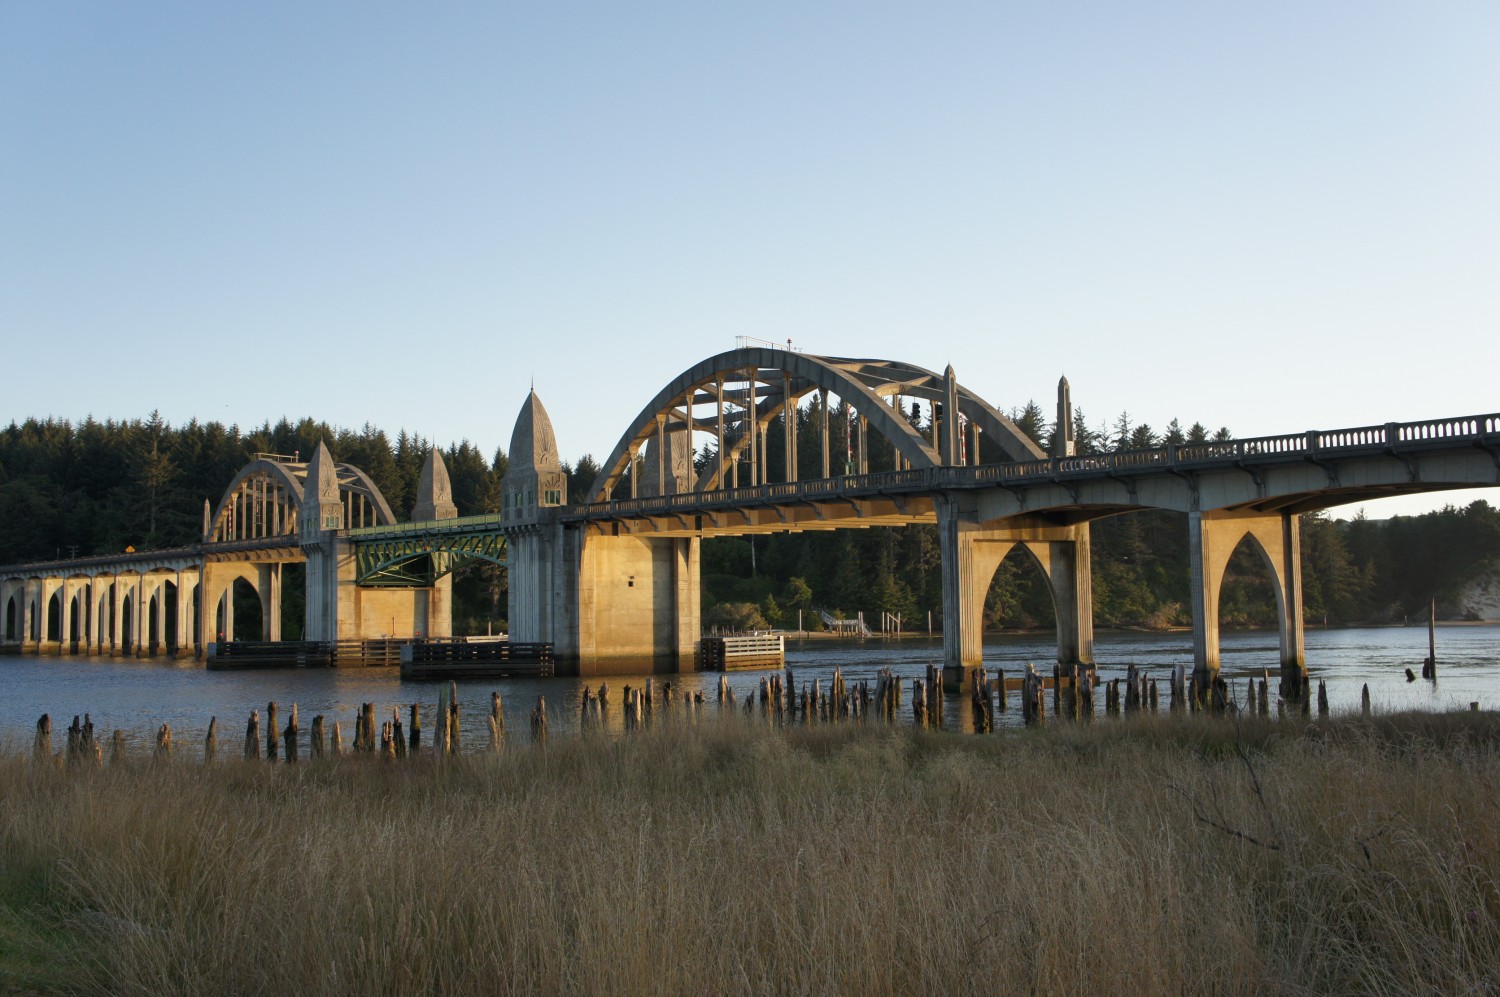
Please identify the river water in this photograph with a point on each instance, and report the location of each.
(137, 696)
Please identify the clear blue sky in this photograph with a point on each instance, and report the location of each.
(1270, 216)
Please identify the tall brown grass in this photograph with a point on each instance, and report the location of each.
(1158, 856)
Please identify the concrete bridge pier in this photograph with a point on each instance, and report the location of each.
(972, 552)
(1212, 539)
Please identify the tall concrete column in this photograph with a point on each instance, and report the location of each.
(65, 618)
(687, 611)
(268, 588)
(31, 629)
(1069, 570)
(189, 615)
(141, 635)
(160, 614)
(50, 588)
(100, 615)
(117, 616)
(823, 413)
(228, 601)
(719, 430)
(970, 556)
(789, 428)
(1212, 539)
(6, 588)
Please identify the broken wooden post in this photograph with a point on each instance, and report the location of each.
(252, 737)
(211, 742)
(453, 726)
(117, 748)
(1322, 698)
(41, 747)
(1364, 701)
(539, 721)
(414, 737)
(273, 736)
(163, 744)
(1429, 670)
(336, 744)
(290, 736)
(318, 740)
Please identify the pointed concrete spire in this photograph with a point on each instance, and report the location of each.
(322, 477)
(208, 520)
(322, 509)
(532, 443)
(434, 491)
(1063, 444)
(535, 477)
(948, 438)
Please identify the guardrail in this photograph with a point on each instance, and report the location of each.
(1314, 444)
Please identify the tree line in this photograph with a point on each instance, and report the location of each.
(95, 487)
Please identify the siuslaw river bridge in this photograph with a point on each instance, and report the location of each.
(612, 580)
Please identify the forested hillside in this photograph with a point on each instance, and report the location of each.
(98, 487)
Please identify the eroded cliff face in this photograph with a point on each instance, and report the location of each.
(1481, 598)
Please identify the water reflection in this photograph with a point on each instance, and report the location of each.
(137, 696)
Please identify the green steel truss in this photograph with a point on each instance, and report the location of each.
(417, 554)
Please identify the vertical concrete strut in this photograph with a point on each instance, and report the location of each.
(971, 552)
(1212, 539)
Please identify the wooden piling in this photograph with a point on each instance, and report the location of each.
(368, 716)
(1430, 671)
(163, 744)
(336, 743)
(454, 738)
(211, 742)
(397, 734)
(252, 737)
(539, 721)
(293, 729)
(1364, 701)
(117, 748)
(1220, 694)
(41, 747)
(414, 736)
(1322, 698)
(273, 736)
(317, 736)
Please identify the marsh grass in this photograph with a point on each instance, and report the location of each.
(733, 858)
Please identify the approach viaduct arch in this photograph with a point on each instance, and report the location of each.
(277, 510)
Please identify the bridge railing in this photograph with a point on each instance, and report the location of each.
(1312, 445)
(488, 520)
(1447, 429)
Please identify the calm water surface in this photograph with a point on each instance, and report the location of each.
(136, 696)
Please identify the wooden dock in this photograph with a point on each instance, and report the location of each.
(235, 654)
(722, 654)
(459, 659)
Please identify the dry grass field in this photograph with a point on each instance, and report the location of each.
(1156, 856)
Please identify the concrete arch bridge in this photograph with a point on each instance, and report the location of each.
(613, 581)
(367, 576)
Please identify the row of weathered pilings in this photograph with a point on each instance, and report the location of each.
(775, 697)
